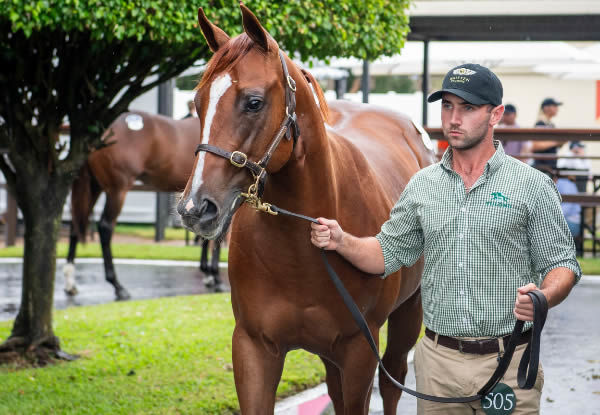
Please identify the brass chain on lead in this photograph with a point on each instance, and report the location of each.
(254, 201)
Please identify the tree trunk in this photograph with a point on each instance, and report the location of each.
(32, 334)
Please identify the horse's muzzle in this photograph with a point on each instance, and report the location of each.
(201, 218)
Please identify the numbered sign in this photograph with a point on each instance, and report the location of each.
(500, 401)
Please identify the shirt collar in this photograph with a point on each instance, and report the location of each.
(492, 165)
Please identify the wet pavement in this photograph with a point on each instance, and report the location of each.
(143, 280)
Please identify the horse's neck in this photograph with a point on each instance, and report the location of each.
(305, 182)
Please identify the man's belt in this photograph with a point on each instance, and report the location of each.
(485, 346)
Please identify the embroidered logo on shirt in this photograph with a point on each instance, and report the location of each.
(498, 199)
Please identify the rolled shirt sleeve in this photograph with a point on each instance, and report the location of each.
(401, 236)
(551, 242)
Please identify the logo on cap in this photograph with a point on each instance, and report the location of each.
(463, 71)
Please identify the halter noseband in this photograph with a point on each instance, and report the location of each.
(258, 169)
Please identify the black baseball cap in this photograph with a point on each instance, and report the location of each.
(550, 101)
(576, 144)
(474, 83)
(508, 108)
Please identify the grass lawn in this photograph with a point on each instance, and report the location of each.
(164, 356)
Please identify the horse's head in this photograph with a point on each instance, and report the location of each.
(246, 130)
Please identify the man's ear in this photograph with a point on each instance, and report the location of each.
(497, 113)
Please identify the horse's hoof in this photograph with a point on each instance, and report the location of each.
(221, 288)
(71, 291)
(209, 280)
(123, 295)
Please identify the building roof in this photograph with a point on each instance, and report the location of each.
(489, 20)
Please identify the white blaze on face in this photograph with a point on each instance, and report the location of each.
(217, 90)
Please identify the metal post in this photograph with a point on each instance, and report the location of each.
(365, 81)
(425, 80)
(340, 87)
(163, 206)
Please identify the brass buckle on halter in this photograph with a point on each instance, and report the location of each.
(240, 154)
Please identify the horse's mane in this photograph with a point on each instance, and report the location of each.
(319, 92)
(231, 52)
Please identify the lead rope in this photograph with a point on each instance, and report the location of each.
(528, 366)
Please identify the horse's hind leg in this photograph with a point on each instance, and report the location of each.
(69, 268)
(209, 279)
(404, 326)
(114, 203)
(214, 265)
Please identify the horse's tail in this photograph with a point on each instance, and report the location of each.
(82, 200)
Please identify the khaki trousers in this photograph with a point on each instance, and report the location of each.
(442, 371)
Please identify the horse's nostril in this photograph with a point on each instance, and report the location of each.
(208, 210)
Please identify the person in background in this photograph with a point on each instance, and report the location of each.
(576, 149)
(509, 120)
(548, 110)
(191, 110)
(571, 211)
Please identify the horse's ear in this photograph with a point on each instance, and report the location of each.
(214, 36)
(253, 28)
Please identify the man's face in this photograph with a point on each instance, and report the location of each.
(466, 125)
(551, 110)
(509, 118)
(578, 151)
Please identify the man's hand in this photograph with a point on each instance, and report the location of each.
(327, 235)
(523, 305)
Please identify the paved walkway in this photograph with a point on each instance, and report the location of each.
(570, 356)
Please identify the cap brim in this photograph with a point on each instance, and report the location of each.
(470, 98)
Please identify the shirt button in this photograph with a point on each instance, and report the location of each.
(463, 209)
(460, 264)
(462, 292)
(465, 320)
(460, 235)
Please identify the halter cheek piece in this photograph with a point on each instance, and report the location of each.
(289, 127)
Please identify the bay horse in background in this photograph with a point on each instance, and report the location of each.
(154, 149)
(352, 169)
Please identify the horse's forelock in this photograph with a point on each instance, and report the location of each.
(226, 57)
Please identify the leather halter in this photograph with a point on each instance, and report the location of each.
(288, 128)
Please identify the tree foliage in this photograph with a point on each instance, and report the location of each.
(85, 61)
(321, 28)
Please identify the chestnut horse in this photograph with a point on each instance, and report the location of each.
(141, 146)
(353, 169)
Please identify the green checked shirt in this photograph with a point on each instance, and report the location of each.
(480, 246)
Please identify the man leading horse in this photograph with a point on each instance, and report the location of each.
(481, 259)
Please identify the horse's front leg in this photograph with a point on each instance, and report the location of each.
(357, 368)
(257, 367)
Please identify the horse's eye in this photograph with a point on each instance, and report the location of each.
(254, 105)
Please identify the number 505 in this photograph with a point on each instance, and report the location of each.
(499, 401)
